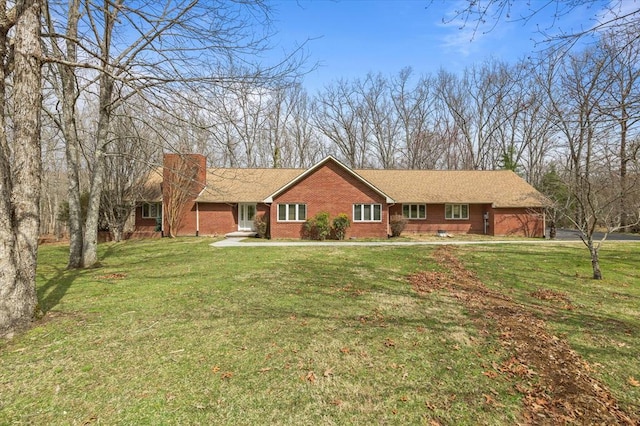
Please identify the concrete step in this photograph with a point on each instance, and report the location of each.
(240, 234)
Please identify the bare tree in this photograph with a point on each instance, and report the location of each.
(53, 180)
(577, 86)
(65, 83)
(622, 102)
(415, 108)
(169, 53)
(480, 106)
(339, 114)
(129, 159)
(381, 119)
(597, 207)
(181, 184)
(615, 17)
(535, 126)
(225, 138)
(278, 150)
(20, 162)
(307, 148)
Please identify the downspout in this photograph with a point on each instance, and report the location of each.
(197, 219)
(268, 235)
(389, 218)
(162, 218)
(485, 217)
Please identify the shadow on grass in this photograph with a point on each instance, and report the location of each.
(54, 289)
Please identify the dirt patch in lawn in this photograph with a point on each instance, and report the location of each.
(556, 385)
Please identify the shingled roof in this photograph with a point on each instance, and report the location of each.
(245, 185)
(501, 188)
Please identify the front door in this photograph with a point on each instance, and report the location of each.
(246, 214)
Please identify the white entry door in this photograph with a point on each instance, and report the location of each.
(246, 214)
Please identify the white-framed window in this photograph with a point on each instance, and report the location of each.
(151, 210)
(456, 211)
(292, 212)
(367, 212)
(414, 211)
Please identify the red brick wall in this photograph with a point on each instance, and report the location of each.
(215, 218)
(518, 221)
(174, 162)
(144, 227)
(332, 189)
(187, 226)
(436, 221)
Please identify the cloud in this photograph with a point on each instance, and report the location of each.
(616, 13)
(466, 35)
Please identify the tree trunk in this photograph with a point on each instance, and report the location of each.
(595, 261)
(624, 221)
(75, 209)
(20, 173)
(68, 95)
(117, 232)
(90, 243)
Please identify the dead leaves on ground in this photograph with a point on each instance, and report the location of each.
(556, 383)
(547, 294)
(428, 281)
(226, 375)
(112, 276)
(310, 377)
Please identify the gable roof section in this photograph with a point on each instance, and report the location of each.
(244, 185)
(151, 191)
(501, 188)
(318, 165)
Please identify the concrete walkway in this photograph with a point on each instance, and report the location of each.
(243, 242)
(567, 237)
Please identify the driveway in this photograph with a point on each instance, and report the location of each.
(573, 235)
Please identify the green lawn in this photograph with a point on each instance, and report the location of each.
(177, 332)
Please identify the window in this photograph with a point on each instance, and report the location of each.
(151, 210)
(292, 212)
(456, 211)
(367, 212)
(414, 211)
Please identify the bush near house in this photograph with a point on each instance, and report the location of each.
(397, 224)
(340, 224)
(318, 227)
(261, 225)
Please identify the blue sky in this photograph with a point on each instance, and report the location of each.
(349, 38)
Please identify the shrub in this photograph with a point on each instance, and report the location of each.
(317, 227)
(261, 225)
(397, 223)
(340, 224)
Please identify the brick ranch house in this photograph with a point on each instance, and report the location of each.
(221, 201)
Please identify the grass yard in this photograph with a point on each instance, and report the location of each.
(176, 332)
(599, 319)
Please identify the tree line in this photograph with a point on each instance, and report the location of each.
(561, 114)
